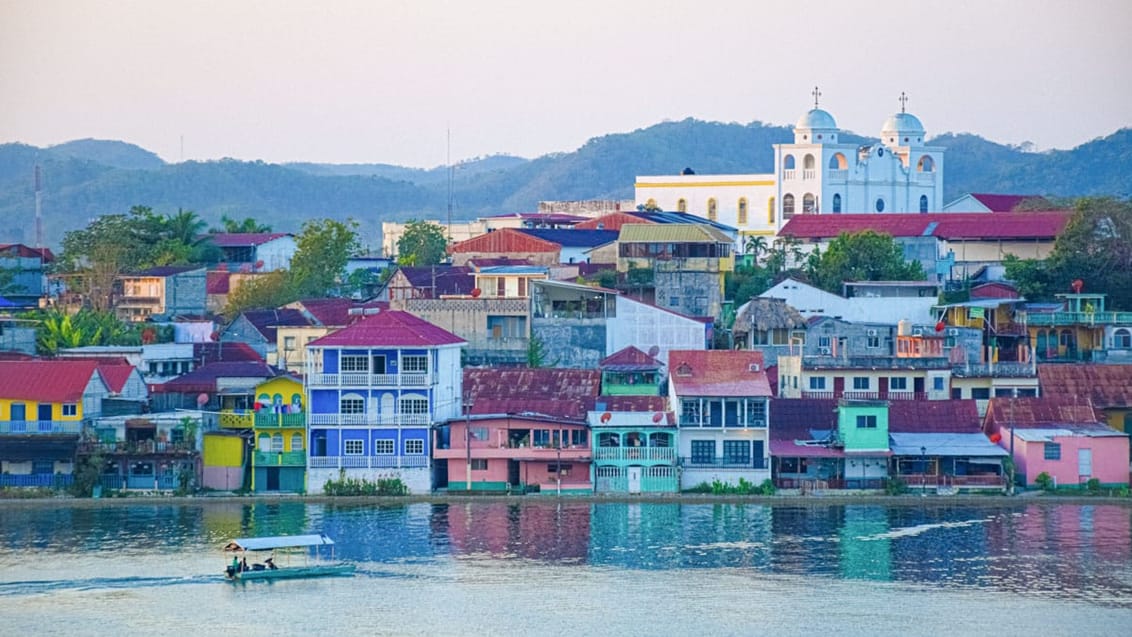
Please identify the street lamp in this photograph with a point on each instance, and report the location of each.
(923, 472)
(558, 467)
(468, 441)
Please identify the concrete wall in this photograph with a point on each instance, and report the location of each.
(579, 343)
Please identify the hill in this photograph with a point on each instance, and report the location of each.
(87, 178)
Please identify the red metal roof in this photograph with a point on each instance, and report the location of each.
(718, 373)
(203, 379)
(389, 328)
(506, 240)
(933, 416)
(335, 312)
(228, 351)
(629, 359)
(115, 375)
(995, 290)
(26, 252)
(1107, 386)
(1005, 203)
(1046, 411)
(563, 393)
(612, 221)
(244, 239)
(46, 381)
(947, 226)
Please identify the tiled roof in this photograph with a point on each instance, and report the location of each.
(718, 373)
(1043, 412)
(794, 418)
(266, 321)
(948, 226)
(334, 312)
(571, 237)
(488, 262)
(504, 240)
(244, 239)
(564, 393)
(934, 416)
(26, 252)
(227, 351)
(446, 279)
(612, 221)
(203, 379)
(389, 328)
(1005, 203)
(1108, 386)
(46, 381)
(681, 232)
(629, 359)
(165, 270)
(216, 282)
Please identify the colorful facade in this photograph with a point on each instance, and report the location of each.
(276, 427)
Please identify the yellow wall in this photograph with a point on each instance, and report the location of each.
(295, 360)
(223, 451)
(31, 410)
(287, 387)
(1119, 419)
(288, 437)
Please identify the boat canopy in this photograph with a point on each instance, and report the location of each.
(277, 542)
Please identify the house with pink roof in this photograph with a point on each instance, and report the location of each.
(375, 388)
(255, 251)
(721, 399)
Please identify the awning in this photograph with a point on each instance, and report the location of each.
(25, 448)
(276, 542)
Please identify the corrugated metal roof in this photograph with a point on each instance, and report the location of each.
(612, 221)
(718, 373)
(1031, 413)
(948, 226)
(572, 237)
(1108, 386)
(629, 359)
(1049, 434)
(46, 381)
(203, 379)
(390, 328)
(944, 444)
(1005, 203)
(562, 393)
(675, 232)
(504, 240)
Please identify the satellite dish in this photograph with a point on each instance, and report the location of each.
(259, 264)
(476, 292)
(654, 350)
(202, 400)
(605, 417)
(658, 416)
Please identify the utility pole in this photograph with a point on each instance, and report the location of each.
(468, 440)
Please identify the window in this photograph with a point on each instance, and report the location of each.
(554, 467)
(296, 442)
(809, 204)
(414, 406)
(898, 383)
(674, 301)
(681, 205)
(756, 412)
(70, 409)
(817, 382)
(872, 341)
(478, 433)
(353, 364)
(578, 438)
(1121, 339)
(352, 404)
(414, 447)
(737, 452)
(479, 464)
(277, 443)
(808, 162)
(743, 211)
(861, 382)
(383, 447)
(540, 437)
(1053, 451)
(837, 202)
(703, 451)
(880, 205)
(770, 210)
(263, 442)
(689, 412)
(937, 383)
(787, 206)
(414, 364)
(866, 422)
(980, 393)
(289, 343)
(923, 203)
(712, 211)
(355, 447)
(824, 341)
(788, 162)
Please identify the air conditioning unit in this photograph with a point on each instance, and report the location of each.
(953, 332)
(871, 332)
(757, 423)
(917, 331)
(824, 351)
(754, 367)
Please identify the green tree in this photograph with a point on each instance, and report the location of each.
(57, 330)
(92, 258)
(862, 256)
(248, 225)
(323, 247)
(268, 290)
(422, 243)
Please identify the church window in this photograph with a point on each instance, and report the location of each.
(808, 205)
(681, 205)
(926, 164)
(880, 205)
(770, 211)
(837, 162)
(1122, 339)
(788, 162)
(923, 203)
(742, 211)
(787, 206)
(819, 136)
(711, 209)
(837, 202)
(808, 162)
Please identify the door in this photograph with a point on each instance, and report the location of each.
(273, 478)
(838, 386)
(19, 411)
(378, 365)
(1085, 463)
(513, 473)
(44, 413)
(634, 479)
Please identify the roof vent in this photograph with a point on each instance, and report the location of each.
(754, 367)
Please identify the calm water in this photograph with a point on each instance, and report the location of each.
(543, 567)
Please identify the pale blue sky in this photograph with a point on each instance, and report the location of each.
(374, 81)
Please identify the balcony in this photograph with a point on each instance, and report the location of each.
(247, 420)
(363, 379)
(789, 174)
(45, 427)
(391, 420)
(1051, 319)
(837, 176)
(866, 395)
(809, 173)
(280, 459)
(368, 462)
(137, 448)
(996, 370)
(633, 454)
(724, 463)
(579, 453)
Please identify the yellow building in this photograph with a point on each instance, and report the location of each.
(276, 429)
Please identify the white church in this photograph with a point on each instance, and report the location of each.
(816, 174)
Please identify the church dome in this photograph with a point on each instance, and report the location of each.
(815, 119)
(902, 124)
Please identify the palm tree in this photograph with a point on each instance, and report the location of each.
(248, 225)
(756, 246)
(185, 226)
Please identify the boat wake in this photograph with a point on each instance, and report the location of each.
(919, 529)
(36, 587)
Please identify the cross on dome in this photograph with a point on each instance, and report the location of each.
(816, 93)
(903, 101)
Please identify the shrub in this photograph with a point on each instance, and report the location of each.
(1093, 485)
(895, 486)
(1044, 481)
(702, 487)
(346, 486)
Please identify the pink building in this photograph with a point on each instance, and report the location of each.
(1064, 436)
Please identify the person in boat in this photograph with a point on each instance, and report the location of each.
(270, 562)
(234, 567)
(244, 564)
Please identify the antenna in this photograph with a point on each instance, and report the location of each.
(448, 167)
(38, 210)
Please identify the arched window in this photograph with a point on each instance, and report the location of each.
(787, 206)
(296, 442)
(770, 211)
(263, 442)
(880, 205)
(788, 162)
(808, 203)
(277, 443)
(926, 164)
(711, 209)
(837, 162)
(837, 202)
(607, 439)
(923, 203)
(808, 162)
(1122, 338)
(742, 211)
(681, 205)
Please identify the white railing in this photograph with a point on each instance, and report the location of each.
(837, 176)
(354, 462)
(363, 419)
(323, 462)
(789, 174)
(809, 173)
(925, 178)
(368, 462)
(362, 379)
(635, 453)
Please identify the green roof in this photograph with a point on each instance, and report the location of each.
(672, 232)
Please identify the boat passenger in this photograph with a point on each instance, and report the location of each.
(271, 563)
(244, 564)
(235, 567)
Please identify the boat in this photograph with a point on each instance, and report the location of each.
(284, 545)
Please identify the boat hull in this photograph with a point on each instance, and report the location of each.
(299, 572)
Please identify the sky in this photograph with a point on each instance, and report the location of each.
(423, 83)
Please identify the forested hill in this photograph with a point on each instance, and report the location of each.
(86, 178)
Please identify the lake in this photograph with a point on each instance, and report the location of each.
(543, 566)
